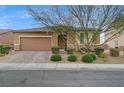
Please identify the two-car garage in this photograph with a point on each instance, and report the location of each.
(35, 43)
(34, 40)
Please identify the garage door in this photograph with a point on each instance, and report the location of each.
(35, 43)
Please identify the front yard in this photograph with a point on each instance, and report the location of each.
(106, 58)
(111, 60)
(44, 57)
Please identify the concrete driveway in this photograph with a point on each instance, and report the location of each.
(27, 57)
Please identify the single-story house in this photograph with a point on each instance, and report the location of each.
(38, 39)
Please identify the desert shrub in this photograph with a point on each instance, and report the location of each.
(87, 58)
(93, 56)
(1, 55)
(104, 56)
(56, 57)
(84, 49)
(114, 52)
(70, 51)
(72, 58)
(55, 49)
(99, 50)
(5, 49)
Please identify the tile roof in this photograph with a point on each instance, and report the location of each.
(4, 30)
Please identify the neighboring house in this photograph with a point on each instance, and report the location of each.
(116, 42)
(38, 39)
(6, 36)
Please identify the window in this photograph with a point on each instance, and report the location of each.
(81, 38)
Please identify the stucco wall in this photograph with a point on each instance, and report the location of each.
(120, 40)
(17, 36)
(72, 39)
(113, 42)
(6, 38)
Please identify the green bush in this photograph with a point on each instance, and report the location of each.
(4, 49)
(55, 49)
(93, 56)
(114, 52)
(99, 50)
(70, 51)
(72, 58)
(56, 57)
(87, 58)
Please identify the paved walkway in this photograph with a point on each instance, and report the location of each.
(60, 66)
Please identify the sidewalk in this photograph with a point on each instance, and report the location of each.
(60, 66)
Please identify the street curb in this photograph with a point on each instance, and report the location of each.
(61, 66)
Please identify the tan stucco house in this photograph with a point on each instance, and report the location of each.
(116, 42)
(38, 39)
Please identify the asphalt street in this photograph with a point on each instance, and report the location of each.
(59, 78)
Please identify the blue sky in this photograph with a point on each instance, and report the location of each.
(16, 17)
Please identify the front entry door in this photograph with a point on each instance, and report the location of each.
(62, 42)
